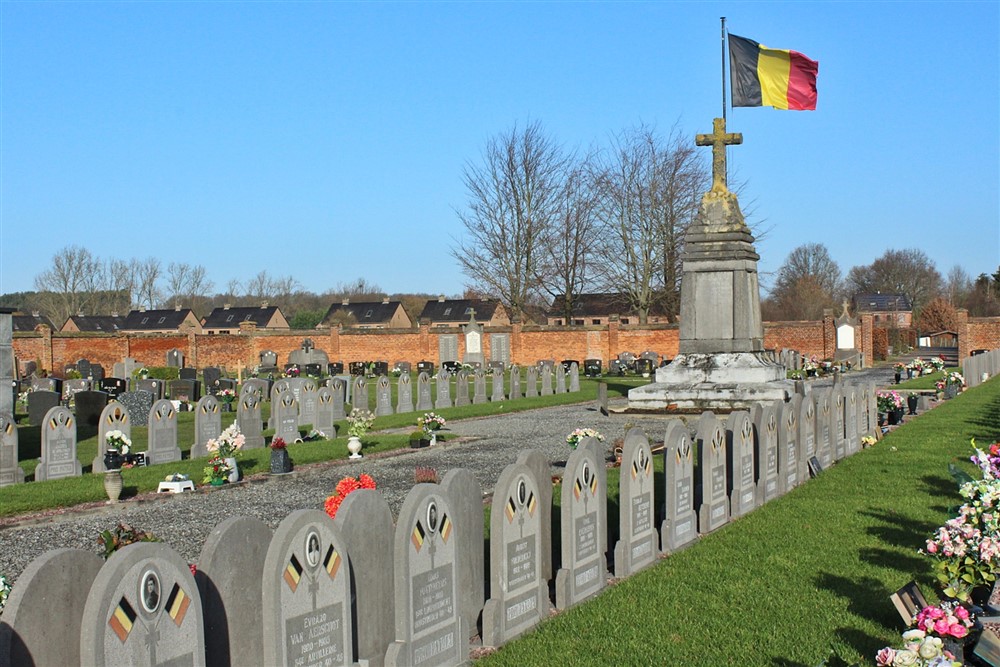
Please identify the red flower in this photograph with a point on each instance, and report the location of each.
(344, 487)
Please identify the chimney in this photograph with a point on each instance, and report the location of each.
(79, 313)
(142, 309)
(114, 313)
(227, 306)
(263, 304)
(385, 300)
(441, 299)
(35, 314)
(177, 307)
(345, 302)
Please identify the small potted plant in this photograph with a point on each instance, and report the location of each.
(359, 422)
(226, 398)
(574, 438)
(281, 463)
(217, 471)
(430, 424)
(897, 370)
(226, 446)
(117, 446)
(419, 439)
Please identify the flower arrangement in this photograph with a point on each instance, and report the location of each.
(937, 363)
(217, 470)
(227, 395)
(955, 378)
(118, 441)
(888, 401)
(899, 367)
(940, 385)
(292, 372)
(121, 536)
(359, 422)
(343, 488)
(4, 591)
(948, 620)
(919, 650)
(278, 443)
(228, 443)
(574, 438)
(987, 461)
(431, 422)
(868, 441)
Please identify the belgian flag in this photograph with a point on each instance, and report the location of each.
(293, 573)
(122, 620)
(766, 77)
(177, 604)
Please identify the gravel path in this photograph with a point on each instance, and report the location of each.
(485, 446)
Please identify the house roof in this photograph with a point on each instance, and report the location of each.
(156, 320)
(21, 322)
(459, 310)
(365, 312)
(230, 317)
(97, 323)
(598, 304)
(878, 302)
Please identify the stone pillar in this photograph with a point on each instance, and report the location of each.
(46, 346)
(516, 343)
(829, 334)
(192, 353)
(425, 339)
(964, 333)
(334, 353)
(613, 328)
(867, 344)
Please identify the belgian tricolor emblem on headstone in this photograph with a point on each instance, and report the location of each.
(417, 537)
(445, 527)
(510, 509)
(177, 604)
(332, 562)
(122, 619)
(531, 504)
(293, 572)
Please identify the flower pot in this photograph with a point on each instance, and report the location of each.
(354, 447)
(234, 470)
(113, 484)
(217, 482)
(950, 390)
(419, 443)
(112, 460)
(893, 417)
(898, 377)
(281, 463)
(881, 419)
(434, 438)
(911, 403)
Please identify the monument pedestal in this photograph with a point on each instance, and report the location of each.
(718, 382)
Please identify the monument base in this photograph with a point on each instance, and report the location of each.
(718, 382)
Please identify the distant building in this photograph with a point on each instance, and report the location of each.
(887, 310)
(178, 320)
(94, 323)
(227, 319)
(21, 322)
(598, 309)
(456, 312)
(382, 314)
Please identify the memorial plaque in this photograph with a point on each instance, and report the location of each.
(741, 464)
(680, 525)
(306, 593)
(711, 495)
(207, 424)
(583, 570)
(638, 546)
(114, 417)
(58, 435)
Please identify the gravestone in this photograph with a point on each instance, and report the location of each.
(313, 370)
(824, 421)
(872, 409)
(539, 467)
(473, 341)
(741, 464)
(184, 390)
(519, 593)
(71, 387)
(144, 608)
(429, 625)
(155, 387)
(285, 417)
(162, 434)
(424, 392)
(465, 497)
(96, 372)
(308, 354)
(838, 431)
(114, 417)
(175, 359)
(462, 388)
(547, 380)
(296, 386)
(207, 425)
(58, 435)
(443, 399)
(250, 421)
(47, 384)
(404, 394)
(57, 581)
(425, 367)
(479, 386)
(84, 368)
(324, 413)
(497, 390)
(807, 435)
(39, 404)
(769, 472)
(260, 387)
(515, 382)
(788, 443)
(583, 564)
(211, 376)
(89, 405)
(365, 525)
(711, 497)
(306, 592)
(113, 387)
(560, 379)
(339, 388)
(602, 398)
(500, 348)
(383, 397)
(307, 402)
(531, 382)
(268, 361)
(138, 405)
(278, 387)
(680, 524)
(230, 570)
(402, 367)
(188, 374)
(851, 420)
(638, 546)
(359, 393)
(124, 368)
(574, 377)
(862, 412)
(10, 471)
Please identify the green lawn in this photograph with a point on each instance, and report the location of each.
(924, 381)
(808, 572)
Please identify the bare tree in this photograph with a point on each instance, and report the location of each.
(147, 274)
(187, 284)
(808, 282)
(513, 200)
(908, 272)
(67, 285)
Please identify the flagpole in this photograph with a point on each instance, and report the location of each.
(723, 19)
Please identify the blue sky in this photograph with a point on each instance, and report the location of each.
(327, 140)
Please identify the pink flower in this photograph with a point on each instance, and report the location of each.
(941, 627)
(932, 547)
(885, 657)
(962, 612)
(958, 630)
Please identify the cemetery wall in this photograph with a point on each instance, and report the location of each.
(98, 348)
(226, 351)
(983, 334)
(809, 338)
(388, 344)
(147, 349)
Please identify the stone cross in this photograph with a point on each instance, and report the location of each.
(718, 140)
(307, 344)
(239, 371)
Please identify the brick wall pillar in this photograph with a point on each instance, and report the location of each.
(867, 325)
(46, 346)
(516, 344)
(192, 353)
(613, 327)
(964, 334)
(829, 335)
(424, 331)
(334, 348)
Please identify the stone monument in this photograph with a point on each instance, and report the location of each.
(721, 362)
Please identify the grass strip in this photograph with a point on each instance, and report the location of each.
(806, 573)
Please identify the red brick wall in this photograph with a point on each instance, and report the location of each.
(983, 333)
(809, 338)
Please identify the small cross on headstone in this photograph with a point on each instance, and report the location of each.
(718, 140)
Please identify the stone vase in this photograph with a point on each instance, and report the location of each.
(281, 463)
(234, 470)
(354, 447)
(898, 377)
(112, 459)
(911, 403)
(950, 390)
(113, 484)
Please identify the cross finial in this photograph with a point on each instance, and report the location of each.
(718, 140)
